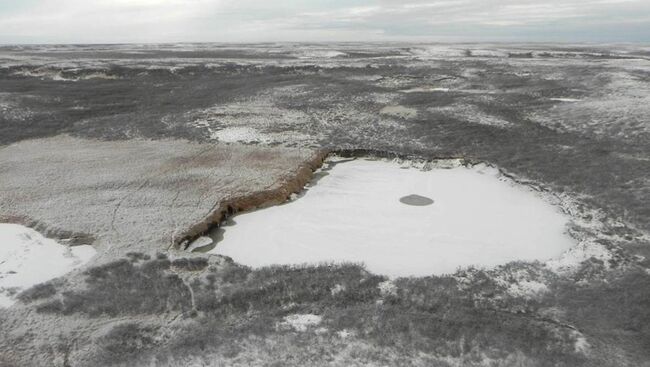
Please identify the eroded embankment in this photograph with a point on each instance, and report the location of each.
(292, 183)
(387, 154)
(60, 235)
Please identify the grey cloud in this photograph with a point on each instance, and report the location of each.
(258, 20)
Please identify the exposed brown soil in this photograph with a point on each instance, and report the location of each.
(292, 183)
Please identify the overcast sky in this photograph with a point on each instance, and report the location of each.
(116, 21)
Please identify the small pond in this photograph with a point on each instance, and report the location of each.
(400, 220)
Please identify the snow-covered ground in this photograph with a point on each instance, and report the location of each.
(300, 322)
(27, 258)
(354, 214)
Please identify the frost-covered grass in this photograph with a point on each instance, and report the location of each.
(27, 258)
(471, 114)
(586, 308)
(354, 214)
(238, 315)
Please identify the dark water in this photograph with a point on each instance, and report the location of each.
(416, 200)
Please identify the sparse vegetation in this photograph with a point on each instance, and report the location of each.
(191, 264)
(122, 287)
(125, 342)
(574, 120)
(468, 321)
(39, 291)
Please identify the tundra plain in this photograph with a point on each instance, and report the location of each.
(137, 150)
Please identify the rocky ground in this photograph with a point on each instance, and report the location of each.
(135, 149)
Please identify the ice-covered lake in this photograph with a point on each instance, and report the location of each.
(27, 258)
(402, 221)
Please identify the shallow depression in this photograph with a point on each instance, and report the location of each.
(402, 222)
(27, 258)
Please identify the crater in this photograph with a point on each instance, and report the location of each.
(399, 219)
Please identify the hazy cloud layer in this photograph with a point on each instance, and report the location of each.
(321, 20)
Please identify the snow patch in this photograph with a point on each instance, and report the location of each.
(365, 78)
(436, 52)
(387, 288)
(57, 75)
(529, 289)
(27, 258)
(581, 344)
(565, 99)
(199, 243)
(344, 334)
(337, 289)
(570, 260)
(425, 90)
(238, 134)
(316, 54)
(526, 283)
(399, 111)
(471, 114)
(255, 121)
(300, 322)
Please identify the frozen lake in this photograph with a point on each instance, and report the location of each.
(27, 258)
(402, 221)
